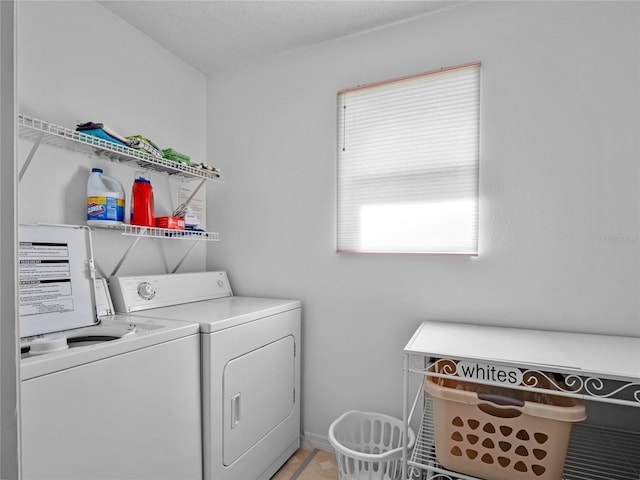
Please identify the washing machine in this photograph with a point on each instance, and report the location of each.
(250, 361)
(103, 396)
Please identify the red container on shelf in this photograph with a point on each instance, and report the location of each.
(142, 207)
(173, 223)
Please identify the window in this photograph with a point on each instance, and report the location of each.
(408, 154)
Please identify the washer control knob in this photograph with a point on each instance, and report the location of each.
(146, 290)
(220, 283)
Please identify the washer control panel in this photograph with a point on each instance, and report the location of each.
(130, 294)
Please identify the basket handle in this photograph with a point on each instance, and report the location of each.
(501, 400)
(500, 406)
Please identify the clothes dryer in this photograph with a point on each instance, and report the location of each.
(250, 354)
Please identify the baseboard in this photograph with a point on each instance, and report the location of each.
(312, 440)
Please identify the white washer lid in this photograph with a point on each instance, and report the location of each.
(55, 271)
(134, 333)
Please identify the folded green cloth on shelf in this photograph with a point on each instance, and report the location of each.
(172, 154)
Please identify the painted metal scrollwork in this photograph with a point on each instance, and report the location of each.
(592, 386)
(419, 474)
(416, 474)
(625, 392)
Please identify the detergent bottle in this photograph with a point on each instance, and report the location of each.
(105, 200)
(142, 207)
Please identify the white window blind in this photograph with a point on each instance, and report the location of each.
(408, 155)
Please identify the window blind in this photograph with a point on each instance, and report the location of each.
(407, 171)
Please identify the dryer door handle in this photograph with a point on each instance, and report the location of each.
(235, 410)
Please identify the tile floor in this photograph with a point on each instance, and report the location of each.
(307, 464)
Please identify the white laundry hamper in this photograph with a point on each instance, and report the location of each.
(368, 445)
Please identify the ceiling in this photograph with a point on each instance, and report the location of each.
(217, 35)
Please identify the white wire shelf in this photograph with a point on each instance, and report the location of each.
(154, 232)
(594, 453)
(164, 233)
(62, 137)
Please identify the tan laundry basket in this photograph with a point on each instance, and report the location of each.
(499, 433)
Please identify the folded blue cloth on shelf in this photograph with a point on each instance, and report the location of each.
(99, 132)
(90, 126)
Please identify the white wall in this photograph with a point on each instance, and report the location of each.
(559, 187)
(78, 62)
(9, 396)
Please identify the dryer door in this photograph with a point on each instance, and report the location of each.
(259, 394)
(251, 413)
